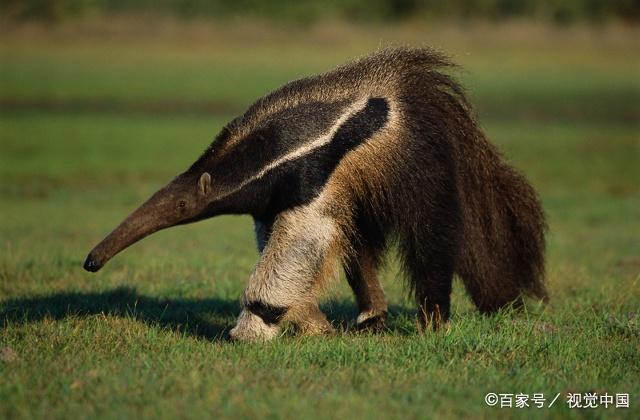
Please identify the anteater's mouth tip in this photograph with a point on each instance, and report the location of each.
(90, 264)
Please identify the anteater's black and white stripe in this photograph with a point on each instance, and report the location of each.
(335, 167)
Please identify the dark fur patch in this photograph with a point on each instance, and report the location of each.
(281, 133)
(299, 181)
(269, 314)
(361, 126)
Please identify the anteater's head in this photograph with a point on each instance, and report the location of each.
(185, 199)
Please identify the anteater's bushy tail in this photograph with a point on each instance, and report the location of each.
(500, 253)
(501, 256)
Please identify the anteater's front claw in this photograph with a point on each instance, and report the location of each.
(251, 327)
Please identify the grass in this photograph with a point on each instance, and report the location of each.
(145, 336)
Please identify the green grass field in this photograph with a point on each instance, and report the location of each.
(92, 125)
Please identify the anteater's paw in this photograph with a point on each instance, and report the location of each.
(251, 327)
(310, 320)
(315, 328)
(371, 321)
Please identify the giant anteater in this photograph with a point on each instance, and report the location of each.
(336, 167)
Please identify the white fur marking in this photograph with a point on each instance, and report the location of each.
(304, 149)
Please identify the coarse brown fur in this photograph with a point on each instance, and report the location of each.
(336, 167)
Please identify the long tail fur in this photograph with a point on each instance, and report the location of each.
(500, 251)
(501, 255)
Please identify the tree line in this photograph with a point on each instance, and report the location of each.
(558, 11)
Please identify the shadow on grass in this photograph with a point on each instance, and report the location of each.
(204, 318)
(342, 314)
(209, 319)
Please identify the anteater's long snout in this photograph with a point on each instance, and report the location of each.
(108, 248)
(147, 219)
(134, 228)
(92, 264)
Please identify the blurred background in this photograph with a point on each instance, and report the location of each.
(306, 11)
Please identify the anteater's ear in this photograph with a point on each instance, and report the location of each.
(204, 184)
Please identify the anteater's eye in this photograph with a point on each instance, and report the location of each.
(182, 204)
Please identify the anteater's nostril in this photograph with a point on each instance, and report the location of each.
(91, 264)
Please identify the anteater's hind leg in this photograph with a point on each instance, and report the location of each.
(431, 271)
(361, 271)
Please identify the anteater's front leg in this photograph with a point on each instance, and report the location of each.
(301, 254)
